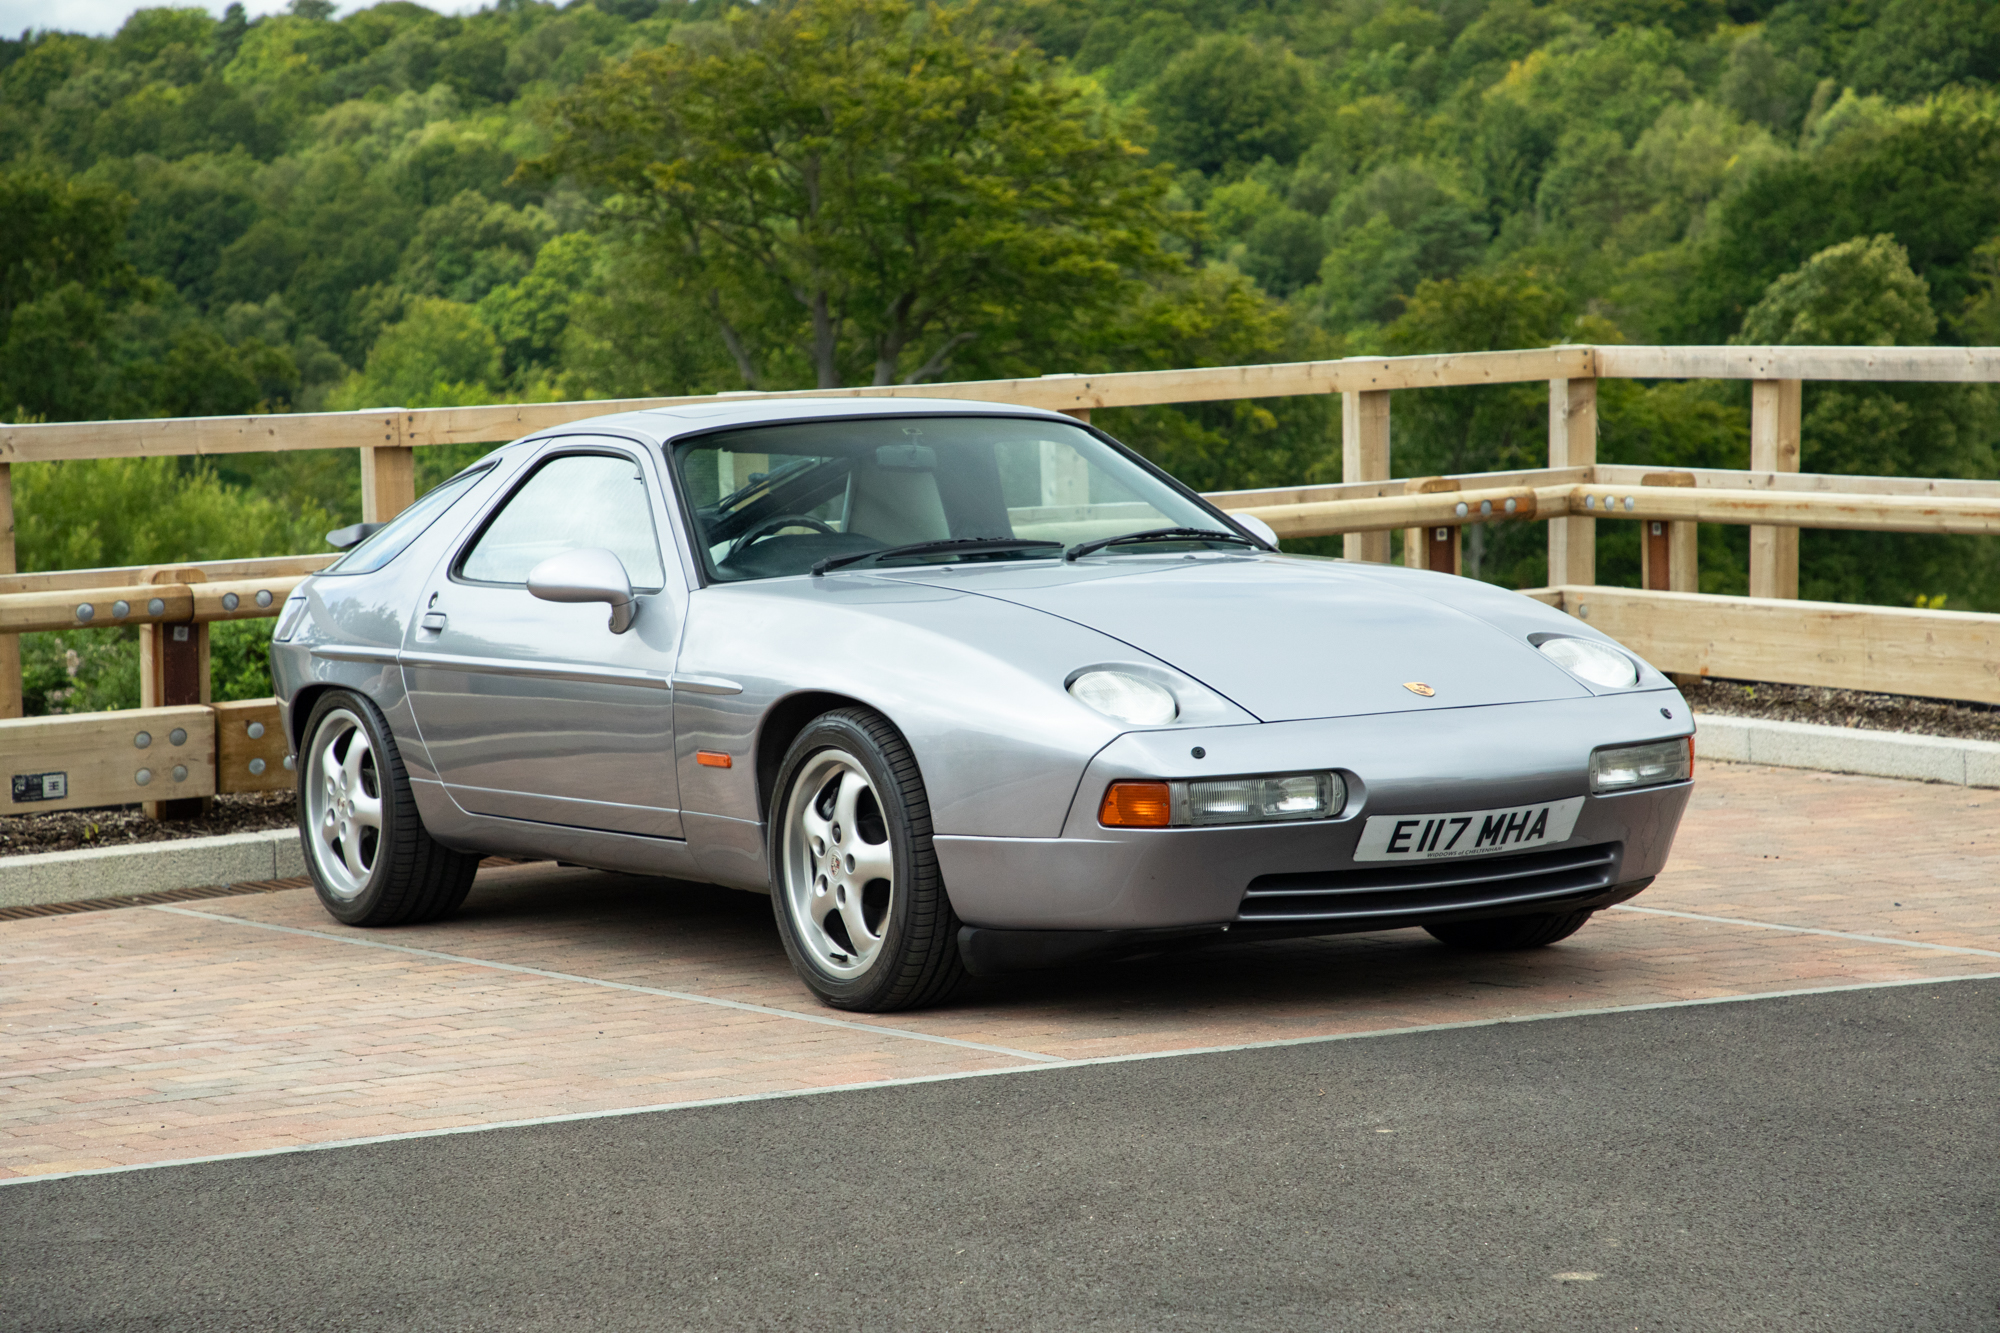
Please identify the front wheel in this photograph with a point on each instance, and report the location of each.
(1510, 932)
(856, 890)
(372, 861)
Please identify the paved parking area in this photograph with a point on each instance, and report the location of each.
(247, 1024)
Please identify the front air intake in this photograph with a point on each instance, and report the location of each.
(1432, 887)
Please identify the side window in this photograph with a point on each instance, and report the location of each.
(572, 500)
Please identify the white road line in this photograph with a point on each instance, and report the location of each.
(821, 1019)
(1813, 930)
(991, 1073)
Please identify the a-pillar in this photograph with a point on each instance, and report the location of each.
(1774, 447)
(1572, 443)
(1364, 456)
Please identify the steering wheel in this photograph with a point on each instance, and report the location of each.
(772, 526)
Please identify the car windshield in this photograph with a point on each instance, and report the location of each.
(776, 500)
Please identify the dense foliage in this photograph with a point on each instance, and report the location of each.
(646, 196)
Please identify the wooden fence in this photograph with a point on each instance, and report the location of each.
(1769, 635)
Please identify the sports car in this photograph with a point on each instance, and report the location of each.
(966, 688)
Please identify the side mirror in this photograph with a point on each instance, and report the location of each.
(346, 539)
(587, 574)
(1256, 527)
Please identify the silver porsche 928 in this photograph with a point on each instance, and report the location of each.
(965, 688)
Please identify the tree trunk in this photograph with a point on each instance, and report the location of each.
(824, 342)
(733, 341)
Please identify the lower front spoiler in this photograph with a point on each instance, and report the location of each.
(987, 952)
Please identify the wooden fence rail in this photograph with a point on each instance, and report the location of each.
(1947, 515)
(1767, 636)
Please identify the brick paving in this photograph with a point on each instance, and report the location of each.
(160, 1033)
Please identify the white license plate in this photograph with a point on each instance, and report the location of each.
(1467, 832)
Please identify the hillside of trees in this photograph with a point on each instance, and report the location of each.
(545, 202)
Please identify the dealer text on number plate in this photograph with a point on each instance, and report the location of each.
(1467, 832)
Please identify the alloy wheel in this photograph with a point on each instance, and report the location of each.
(839, 868)
(343, 791)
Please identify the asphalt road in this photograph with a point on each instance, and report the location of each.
(1823, 1162)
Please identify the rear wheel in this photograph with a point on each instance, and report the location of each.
(856, 889)
(1510, 932)
(371, 860)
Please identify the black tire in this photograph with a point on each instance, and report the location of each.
(909, 951)
(395, 876)
(1510, 932)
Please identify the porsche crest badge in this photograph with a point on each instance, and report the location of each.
(1418, 687)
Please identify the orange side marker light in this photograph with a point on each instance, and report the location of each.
(1136, 805)
(711, 759)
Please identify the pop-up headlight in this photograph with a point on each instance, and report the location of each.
(1590, 660)
(1128, 698)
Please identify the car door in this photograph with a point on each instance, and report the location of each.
(535, 710)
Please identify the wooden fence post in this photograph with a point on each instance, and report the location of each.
(173, 671)
(1667, 558)
(1774, 447)
(1572, 443)
(1364, 456)
(1432, 548)
(388, 482)
(10, 644)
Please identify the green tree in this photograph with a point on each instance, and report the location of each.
(54, 232)
(1858, 293)
(1862, 293)
(440, 354)
(880, 185)
(1228, 102)
(1403, 224)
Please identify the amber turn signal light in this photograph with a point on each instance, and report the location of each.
(1137, 805)
(711, 758)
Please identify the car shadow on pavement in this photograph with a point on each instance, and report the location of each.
(695, 937)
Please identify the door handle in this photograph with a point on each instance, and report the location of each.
(434, 621)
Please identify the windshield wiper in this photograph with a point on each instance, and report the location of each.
(954, 545)
(1161, 535)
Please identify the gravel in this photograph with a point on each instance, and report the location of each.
(1845, 708)
(67, 830)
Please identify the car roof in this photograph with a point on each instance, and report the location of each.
(659, 425)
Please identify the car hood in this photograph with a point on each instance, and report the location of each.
(1285, 638)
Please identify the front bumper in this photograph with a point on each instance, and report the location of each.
(1301, 878)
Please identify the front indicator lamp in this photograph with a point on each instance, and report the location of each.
(1634, 766)
(1137, 805)
(1274, 799)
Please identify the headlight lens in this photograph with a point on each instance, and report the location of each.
(1634, 766)
(1127, 698)
(1257, 800)
(1592, 661)
(1253, 800)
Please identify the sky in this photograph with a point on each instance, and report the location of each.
(99, 18)
(104, 17)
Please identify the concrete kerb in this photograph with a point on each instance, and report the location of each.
(130, 869)
(237, 858)
(1880, 754)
